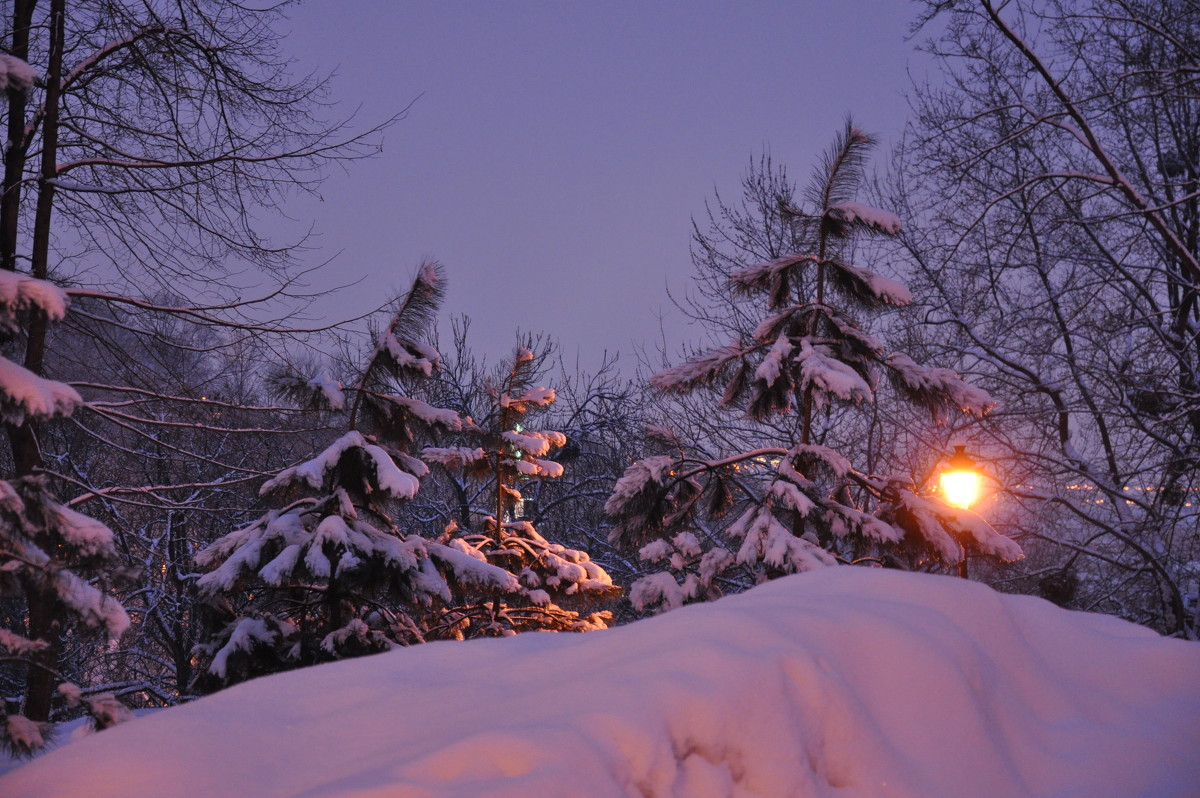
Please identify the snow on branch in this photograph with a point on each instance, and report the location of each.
(330, 389)
(453, 457)
(765, 275)
(820, 371)
(427, 413)
(87, 536)
(468, 570)
(936, 387)
(765, 539)
(18, 646)
(538, 397)
(386, 476)
(537, 444)
(20, 292)
(412, 355)
(865, 217)
(700, 370)
(636, 479)
(944, 529)
(15, 74)
(24, 394)
(863, 284)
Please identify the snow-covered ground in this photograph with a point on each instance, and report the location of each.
(842, 682)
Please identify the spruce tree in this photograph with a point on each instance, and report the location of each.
(54, 561)
(502, 448)
(336, 571)
(330, 573)
(774, 510)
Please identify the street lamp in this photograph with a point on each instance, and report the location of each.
(960, 479)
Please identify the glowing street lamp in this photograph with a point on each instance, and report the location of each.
(960, 480)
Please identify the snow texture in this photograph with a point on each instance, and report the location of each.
(825, 373)
(453, 457)
(15, 74)
(330, 388)
(24, 394)
(538, 397)
(20, 292)
(537, 444)
(871, 218)
(24, 734)
(434, 416)
(13, 644)
(97, 610)
(698, 369)
(247, 633)
(409, 355)
(841, 683)
(940, 381)
(89, 537)
(886, 290)
(388, 477)
(635, 479)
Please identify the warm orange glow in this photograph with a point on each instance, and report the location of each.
(960, 488)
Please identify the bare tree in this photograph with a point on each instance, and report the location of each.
(134, 167)
(1052, 176)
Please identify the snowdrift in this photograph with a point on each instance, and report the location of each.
(842, 682)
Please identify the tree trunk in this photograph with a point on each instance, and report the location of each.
(27, 455)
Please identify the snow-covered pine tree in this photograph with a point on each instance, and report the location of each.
(780, 509)
(502, 448)
(53, 560)
(330, 574)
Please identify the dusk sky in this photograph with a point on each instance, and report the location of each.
(557, 151)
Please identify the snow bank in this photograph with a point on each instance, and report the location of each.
(843, 681)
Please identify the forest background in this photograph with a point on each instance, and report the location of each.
(201, 486)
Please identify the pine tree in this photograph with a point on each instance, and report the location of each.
(508, 453)
(780, 509)
(53, 560)
(330, 574)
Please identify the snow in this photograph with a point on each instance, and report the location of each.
(427, 413)
(537, 444)
(20, 292)
(12, 643)
(88, 536)
(847, 682)
(329, 388)
(940, 381)
(246, 633)
(388, 477)
(539, 397)
(635, 479)
(23, 393)
(96, 609)
(871, 218)
(453, 456)
(774, 363)
(425, 360)
(312, 472)
(15, 74)
(25, 734)
(826, 373)
(697, 369)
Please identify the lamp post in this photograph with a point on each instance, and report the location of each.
(960, 480)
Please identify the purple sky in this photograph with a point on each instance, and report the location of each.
(560, 149)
